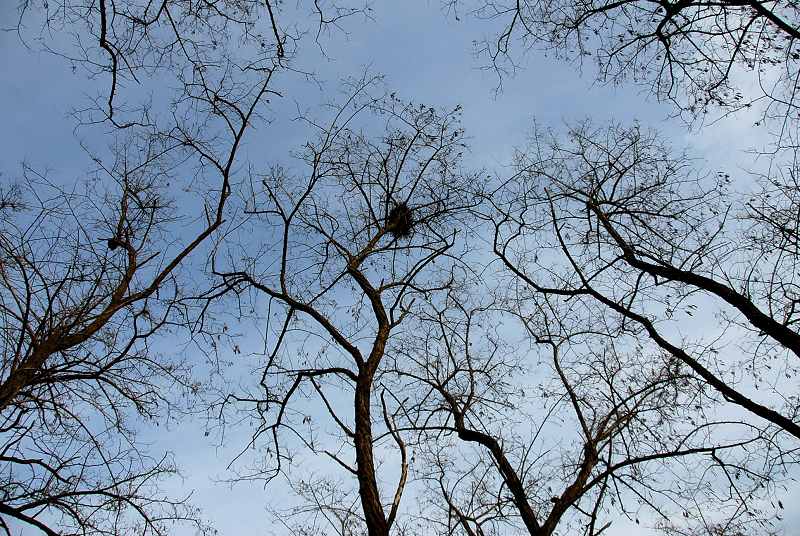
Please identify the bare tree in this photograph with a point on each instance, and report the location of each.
(362, 265)
(380, 358)
(692, 53)
(612, 227)
(601, 431)
(337, 253)
(131, 44)
(89, 278)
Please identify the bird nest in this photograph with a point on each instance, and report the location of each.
(114, 243)
(400, 220)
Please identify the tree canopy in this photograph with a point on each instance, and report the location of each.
(394, 332)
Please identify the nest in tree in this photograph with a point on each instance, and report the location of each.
(113, 243)
(400, 220)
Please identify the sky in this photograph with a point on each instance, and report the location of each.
(426, 55)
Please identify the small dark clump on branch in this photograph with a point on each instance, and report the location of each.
(113, 244)
(400, 220)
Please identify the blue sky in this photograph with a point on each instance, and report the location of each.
(426, 55)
